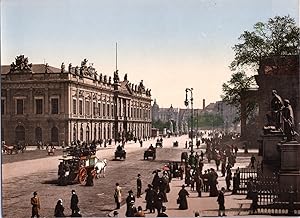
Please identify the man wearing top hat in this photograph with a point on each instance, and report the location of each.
(74, 202)
(139, 186)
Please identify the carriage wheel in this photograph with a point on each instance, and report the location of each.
(82, 175)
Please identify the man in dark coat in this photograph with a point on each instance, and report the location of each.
(139, 186)
(74, 202)
(130, 200)
(182, 198)
(150, 198)
(158, 201)
(156, 181)
(221, 202)
(35, 202)
(213, 176)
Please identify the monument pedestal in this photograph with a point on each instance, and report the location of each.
(289, 174)
(270, 151)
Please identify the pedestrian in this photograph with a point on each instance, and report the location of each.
(192, 183)
(158, 200)
(182, 200)
(212, 180)
(150, 198)
(140, 212)
(118, 195)
(130, 200)
(89, 179)
(59, 209)
(139, 186)
(228, 179)
(36, 206)
(223, 168)
(221, 202)
(199, 184)
(163, 212)
(202, 155)
(205, 181)
(74, 202)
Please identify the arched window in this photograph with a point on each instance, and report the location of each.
(95, 132)
(38, 134)
(87, 134)
(81, 133)
(74, 133)
(54, 135)
(99, 132)
(20, 134)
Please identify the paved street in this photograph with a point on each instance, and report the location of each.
(20, 179)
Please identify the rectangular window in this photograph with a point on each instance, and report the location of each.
(80, 107)
(99, 109)
(39, 106)
(74, 106)
(94, 109)
(108, 110)
(87, 108)
(54, 105)
(103, 110)
(2, 106)
(20, 106)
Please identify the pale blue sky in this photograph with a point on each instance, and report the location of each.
(170, 44)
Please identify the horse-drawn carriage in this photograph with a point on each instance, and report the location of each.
(150, 153)
(159, 143)
(121, 154)
(78, 164)
(76, 169)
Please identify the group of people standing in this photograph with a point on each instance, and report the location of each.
(59, 208)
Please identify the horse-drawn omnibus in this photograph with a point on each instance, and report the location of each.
(76, 164)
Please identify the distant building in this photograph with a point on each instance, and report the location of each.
(58, 105)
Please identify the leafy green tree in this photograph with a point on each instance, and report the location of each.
(160, 124)
(208, 120)
(278, 36)
(233, 89)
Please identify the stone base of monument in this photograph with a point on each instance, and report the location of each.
(270, 150)
(289, 181)
(289, 174)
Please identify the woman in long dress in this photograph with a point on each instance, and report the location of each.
(183, 205)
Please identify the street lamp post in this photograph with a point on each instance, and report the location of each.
(186, 102)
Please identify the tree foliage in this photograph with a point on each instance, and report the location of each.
(208, 120)
(279, 36)
(160, 124)
(233, 89)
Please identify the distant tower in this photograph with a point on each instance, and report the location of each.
(203, 104)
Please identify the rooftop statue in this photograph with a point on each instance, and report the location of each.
(21, 64)
(116, 77)
(62, 67)
(70, 67)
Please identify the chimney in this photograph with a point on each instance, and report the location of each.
(203, 104)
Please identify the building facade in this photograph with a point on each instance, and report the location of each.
(58, 105)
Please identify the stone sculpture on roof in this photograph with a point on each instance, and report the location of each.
(21, 64)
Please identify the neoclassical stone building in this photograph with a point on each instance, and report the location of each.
(58, 105)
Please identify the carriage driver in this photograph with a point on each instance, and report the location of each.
(119, 148)
(151, 147)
